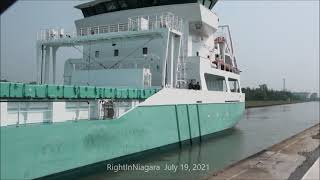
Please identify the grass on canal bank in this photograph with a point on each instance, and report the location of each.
(252, 104)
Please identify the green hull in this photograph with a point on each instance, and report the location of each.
(38, 150)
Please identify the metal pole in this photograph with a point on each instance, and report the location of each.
(47, 64)
(42, 59)
(164, 65)
(27, 112)
(88, 110)
(38, 63)
(77, 111)
(156, 23)
(54, 63)
(18, 114)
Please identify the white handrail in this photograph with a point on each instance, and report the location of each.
(138, 23)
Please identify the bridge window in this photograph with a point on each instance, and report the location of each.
(215, 83)
(100, 9)
(122, 4)
(145, 51)
(234, 85)
(111, 6)
(228, 60)
(97, 54)
(208, 3)
(116, 52)
(94, 8)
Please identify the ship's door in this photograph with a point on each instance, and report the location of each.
(108, 109)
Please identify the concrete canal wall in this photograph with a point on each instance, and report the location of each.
(289, 159)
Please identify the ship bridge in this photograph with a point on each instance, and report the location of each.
(164, 29)
(97, 7)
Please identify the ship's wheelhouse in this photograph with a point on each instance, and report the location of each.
(105, 6)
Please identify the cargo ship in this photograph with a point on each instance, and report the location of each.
(152, 74)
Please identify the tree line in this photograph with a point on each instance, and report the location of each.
(263, 93)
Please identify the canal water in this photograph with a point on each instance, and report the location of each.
(259, 128)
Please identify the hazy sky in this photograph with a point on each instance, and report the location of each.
(273, 39)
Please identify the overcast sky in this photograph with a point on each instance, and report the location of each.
(273, 39)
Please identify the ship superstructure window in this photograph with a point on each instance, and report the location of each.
(116, 52)
(100, 9)
(234, 85)
(215, 83)
(228, 60)
(111, 6)
(105, 6)
(145, 51)
(207, 3)
(122, 4)
(97, 54)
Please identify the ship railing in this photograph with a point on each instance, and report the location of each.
(220, 64)
(152, 22)
(137, 23)
(20, 116)
(54, 33)
(23, 112)
(121, 27)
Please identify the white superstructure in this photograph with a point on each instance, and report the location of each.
(177, 43)
(174, 45)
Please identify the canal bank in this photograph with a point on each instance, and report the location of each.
(289, 159)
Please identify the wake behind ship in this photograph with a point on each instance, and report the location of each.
(152, 73)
